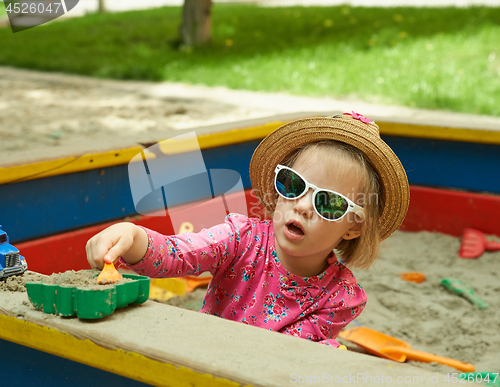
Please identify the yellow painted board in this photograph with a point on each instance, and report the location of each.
(24, 172)
(69, 165)
(123, 156)
(239, 135)
(211, 140)
(386, 128)
(440, 133)
(128, 364)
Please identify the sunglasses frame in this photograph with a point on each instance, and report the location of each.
(352, 207)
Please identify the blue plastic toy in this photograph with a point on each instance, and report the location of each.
(11, 262)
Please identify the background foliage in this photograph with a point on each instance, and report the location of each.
(442, 58)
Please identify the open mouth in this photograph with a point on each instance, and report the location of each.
(294, 228)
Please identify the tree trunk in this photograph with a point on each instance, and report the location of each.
(102, 6)
(196, 22)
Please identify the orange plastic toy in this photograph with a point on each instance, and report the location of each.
(192, 282)
(413, 276)
(391, 348)
(108, 275)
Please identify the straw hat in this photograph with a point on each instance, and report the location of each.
(352, 129)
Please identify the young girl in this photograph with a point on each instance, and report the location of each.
(327, 183)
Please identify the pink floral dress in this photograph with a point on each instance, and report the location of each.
(250, 285)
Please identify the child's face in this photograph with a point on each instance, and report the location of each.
(303, 239)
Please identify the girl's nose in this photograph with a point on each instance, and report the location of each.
(304, 205)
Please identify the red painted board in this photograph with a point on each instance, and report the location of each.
(430, 209)
(450, 212)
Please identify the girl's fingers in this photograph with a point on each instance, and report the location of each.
(90, 257)
(116, 251)
(107, 259)
(109, 245)
(96, 250)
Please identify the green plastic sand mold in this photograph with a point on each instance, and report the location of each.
(458, 287)
(88, 303)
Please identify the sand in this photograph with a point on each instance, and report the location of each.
(426, 315)
(190, 301)
(16, 283)
(47, 115)
(82, 279)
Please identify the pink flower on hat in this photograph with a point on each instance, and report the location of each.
(359, 117)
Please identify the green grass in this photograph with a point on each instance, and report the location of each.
(2, 9)
(441, 58)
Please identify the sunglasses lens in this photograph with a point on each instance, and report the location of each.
(289, 184)
(330, 205)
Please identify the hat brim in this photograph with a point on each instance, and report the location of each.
(281, 144)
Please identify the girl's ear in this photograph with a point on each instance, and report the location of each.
(353, 232)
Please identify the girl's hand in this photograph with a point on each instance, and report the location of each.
(124, 240)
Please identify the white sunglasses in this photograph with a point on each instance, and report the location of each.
(330, 205)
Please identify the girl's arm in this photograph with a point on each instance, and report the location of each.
(189, 253)
(210, 249)
(124, 240)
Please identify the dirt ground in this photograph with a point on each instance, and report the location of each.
(45, 115)
(49, 115)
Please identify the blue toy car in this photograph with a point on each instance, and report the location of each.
(11, 262)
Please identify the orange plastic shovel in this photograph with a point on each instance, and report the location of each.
(391, 348)
(108, 275)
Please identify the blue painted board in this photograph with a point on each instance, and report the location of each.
(24, 366)
(35, 208)
(449, 164)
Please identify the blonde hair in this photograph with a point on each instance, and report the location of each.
(359, 252)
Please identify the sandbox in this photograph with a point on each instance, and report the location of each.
(179, 345)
